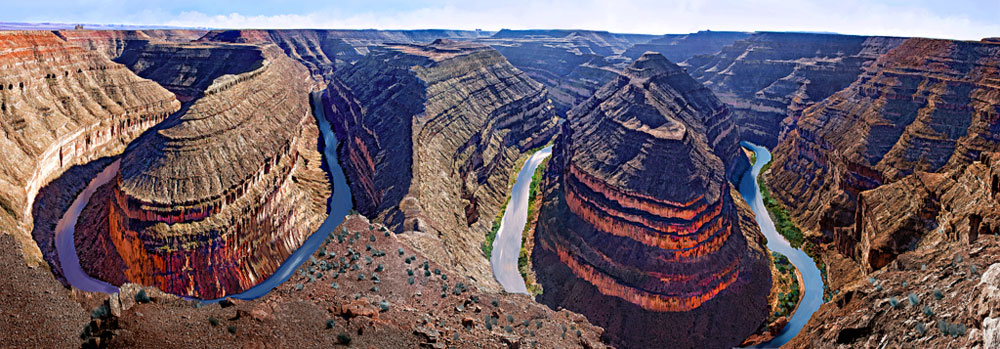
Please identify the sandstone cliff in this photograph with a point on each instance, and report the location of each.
(111, 43)
(640, 229)
(442, 127)
(927, 105)
(226, 190)
(769, 78)
(61, 105)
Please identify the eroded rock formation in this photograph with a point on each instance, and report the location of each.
(960, 205)
(681, 47)
(640, 229)
(927, 105)
(322, 51)
(61, 105)
(226, 190)
(769, 78)
(430, 135)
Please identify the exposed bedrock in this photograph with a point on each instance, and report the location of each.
(112, 43)
(224, 191)
(571, 68)
(959, 205)
(640, 229)
(680, 47)
(322, 51)
(927, 105)
(769, 78)
(430, 135)
(188, 69)
(62, 105)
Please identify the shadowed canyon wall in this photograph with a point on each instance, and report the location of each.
(640, 230)
(769, 78)
(62, 105)
(927, 105)
(680, 47)
(430, 136)
(223, 192)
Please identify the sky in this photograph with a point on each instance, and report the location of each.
(952, 19)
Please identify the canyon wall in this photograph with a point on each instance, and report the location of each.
(680, 47)
(640, 229)
(927, 105)
(430, 135)
(322, 51)
(214, 201)
(112, 43)
(62, 105)
(769, 78)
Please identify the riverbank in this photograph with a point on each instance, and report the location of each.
(811, 282)
(528, 234)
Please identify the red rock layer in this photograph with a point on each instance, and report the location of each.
(927, 105)
(430, 135)
(213, 202)
(640, 223)
(61, 105)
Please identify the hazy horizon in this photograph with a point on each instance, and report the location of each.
(961, 19)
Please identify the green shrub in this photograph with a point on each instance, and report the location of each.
(383, 306)
(330, 323)
(927, 311)
(914, 300)
(231, 329)
(213, 321)
(100, 312)
(893, 302)
(343, 338)
(141, 297)
(938, 294)
(921, 329)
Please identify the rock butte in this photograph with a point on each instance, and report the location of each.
(214, 200)
(640, 226)
(431, 134)
(62, 105)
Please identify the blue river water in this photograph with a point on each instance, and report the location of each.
(340, 205)
(507, 245)
(812, 296)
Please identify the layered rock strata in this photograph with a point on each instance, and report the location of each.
(640, 226)
(61, 105)
(214, 201)
(960, 205)
(572, 68)
(927, 105)
(322, 51)
(430, 135)
(112, 43)
(769, 78)
(680, 47)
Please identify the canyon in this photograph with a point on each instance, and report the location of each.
(632, 251)
(222, 146)
(431, 136)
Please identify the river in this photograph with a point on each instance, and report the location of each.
(507, 245)
(812, 296)
(340, 205)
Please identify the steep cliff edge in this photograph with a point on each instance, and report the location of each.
(323, 51)
(112, 43)
(927, 105)
(640, 226)
(213, 201)
(441, 129)
(681, 47)
(769, 78)
(61, 105)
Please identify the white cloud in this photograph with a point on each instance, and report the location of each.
(635, 16)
